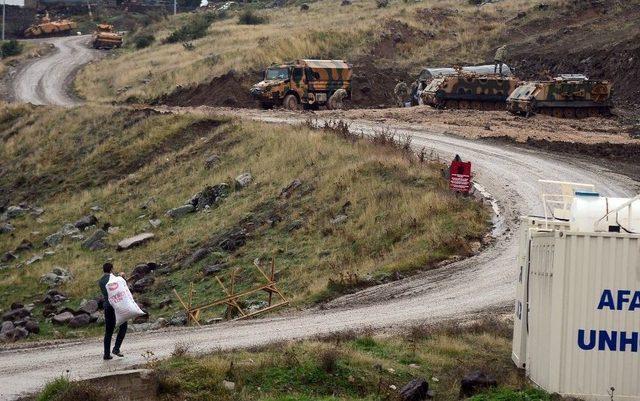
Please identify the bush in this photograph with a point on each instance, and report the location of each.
(248, 17)
(10, 48)
(195, 29)
(143, 41)
(61, 389)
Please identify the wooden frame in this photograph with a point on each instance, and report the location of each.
(231, 298)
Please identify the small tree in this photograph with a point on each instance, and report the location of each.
(248, 17)
(10, 48)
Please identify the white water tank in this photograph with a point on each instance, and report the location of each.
(588, 210)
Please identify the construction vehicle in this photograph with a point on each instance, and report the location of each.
(48, 28)
(567, 96)
(303, 83)
(105, 37)
(468, 90)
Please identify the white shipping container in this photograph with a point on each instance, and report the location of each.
(583, 333)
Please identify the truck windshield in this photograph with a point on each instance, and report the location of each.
(277, 73)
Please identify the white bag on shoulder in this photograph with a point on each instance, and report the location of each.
(121, 300)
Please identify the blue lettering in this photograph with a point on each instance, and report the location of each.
(635, 302)
(633, 341)
(623, 297)
(592, 340)
(606, 300)
(607, 340)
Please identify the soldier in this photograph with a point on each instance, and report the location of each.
(401, 91)
(499, 58)
(336, 100)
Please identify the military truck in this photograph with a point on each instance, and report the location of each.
(302, 83)
(105, 37)
(48, 28)
(466, 90)
(567, 96)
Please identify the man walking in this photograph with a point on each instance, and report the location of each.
(110, 318)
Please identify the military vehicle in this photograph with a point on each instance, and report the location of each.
(467, 90)
(106, 38)
(568, 96)
(48, 28)
(302, 83)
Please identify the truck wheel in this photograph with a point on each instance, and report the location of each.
(291, 102)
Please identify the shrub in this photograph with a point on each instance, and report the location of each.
(143, 41)
(248, 17)
(53, 388)
(10, 48)
(195, 29)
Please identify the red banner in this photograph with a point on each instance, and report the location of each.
(460, 176)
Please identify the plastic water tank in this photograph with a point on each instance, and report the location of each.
(589, 207)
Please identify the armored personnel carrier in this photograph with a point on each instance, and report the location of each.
(568, 96)
(467, 90)
(48, 28)
(106, 38)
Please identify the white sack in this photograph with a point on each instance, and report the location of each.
(121, 300)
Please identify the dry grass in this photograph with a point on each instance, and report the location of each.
(456, 32)
(401, 216)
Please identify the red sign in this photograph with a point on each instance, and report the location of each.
(460, 176)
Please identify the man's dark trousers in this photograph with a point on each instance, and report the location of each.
(110, 325)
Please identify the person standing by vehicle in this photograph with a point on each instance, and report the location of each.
(499, 58)
(110, 317)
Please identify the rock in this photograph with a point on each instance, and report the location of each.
(95, 208)
(339, 219)
(68, 230)
(86, 221)
(6, 327)
(142, 284)
(53, 239)
(95, 316)
(304, 7)
(37, 211)
(134, 241)
(139, 327)
(197, 256)
(345, 3)
(233, 240)
(32, 326)
(16, 314)
(382, 3)
(54, 297)
(415, 390)
(9, 256)
(165, 302)
(80, 320)
(475, 246)
(56, 277)
(210, 196)
(179, 319)
(230, 386)
(15, 211)
(18, 333)
(155, 223)
(147, 203)
(257, 305)
(95, 240)
(6, 228)
(113, 230)
(140, 270)
(160, 323)
(89, 307)
(16, 305)
(214, 269)
(62, 318)
(24, 245)
(295, 225)
(243, 180)
(475, 382)
(211, 161)
(180, 211)
(288, 190)
(34, 259)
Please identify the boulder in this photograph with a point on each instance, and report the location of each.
(131, 242)
(142, 284)
(56, 277)
(95, 316)
(62, 318)
(475, 382)
(24, 245)
(179, 319)
(53, 239)
(16, 305)
(304, 7)
(287, 191)
(214, 269)
(80, 320)
(211, 161)
(165, 302)
(209, 196)
(15, 211)
(95, 240)
(16, 334)
(53, 297)
(68, 230)
(37, 211)
(140, 270)
(32, 326)
(180, 211)
(415, 390)
(160, 323)
(233, 240)
(228, 385)
(6, 327)
(197, 256)
(339, 219)
(155, 223)
(86, 221)
(6, 228)
(9, 256)
(89, 307)
(16, 314)
(243, 180)
(34, 259)
(345, 3)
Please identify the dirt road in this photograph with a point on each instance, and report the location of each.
(46, 81)
(456, 291)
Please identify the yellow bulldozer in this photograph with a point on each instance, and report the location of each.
(48, 28)
(105, 37)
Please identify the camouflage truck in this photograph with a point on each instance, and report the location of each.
(303, 83)
(568, 96)
(48, 28)
(466, 90)
(106, 38)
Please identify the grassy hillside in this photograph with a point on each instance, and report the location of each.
(129, 167)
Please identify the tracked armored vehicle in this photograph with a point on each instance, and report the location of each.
(466, 90)
(106, 38)
(47, 28)
(567, 96)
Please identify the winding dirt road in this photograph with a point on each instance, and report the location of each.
(46, 81)
(457, 291)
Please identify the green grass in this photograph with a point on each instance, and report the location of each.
(401, 215)
(505, 394)
(53, 388)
